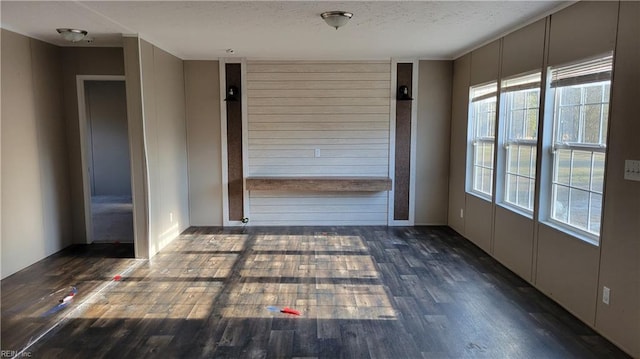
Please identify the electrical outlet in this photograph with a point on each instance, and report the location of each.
(317, 152)
(606, 292)
(461, 213)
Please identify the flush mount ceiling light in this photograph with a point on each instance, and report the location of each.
(73, 35)
(336, 18)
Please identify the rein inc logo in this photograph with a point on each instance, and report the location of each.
(14, 354)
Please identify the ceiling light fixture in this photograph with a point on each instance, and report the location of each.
(73, 35)
(336, 18)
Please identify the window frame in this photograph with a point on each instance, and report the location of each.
(473, 140)
(552, 121)
(505, 141)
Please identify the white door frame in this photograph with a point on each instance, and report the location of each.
(82, 122)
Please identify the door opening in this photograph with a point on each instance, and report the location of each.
(107, 162)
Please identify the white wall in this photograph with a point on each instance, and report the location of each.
(35, 190)
(339, 108)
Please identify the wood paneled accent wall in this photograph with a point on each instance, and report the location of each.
(404, 76)
(234, 142)
(318, 119)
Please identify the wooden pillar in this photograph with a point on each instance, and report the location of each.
(403, 143)
(234, 141)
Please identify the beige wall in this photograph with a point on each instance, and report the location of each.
(432, 143)
(569, 270)
(620, 250)
(202, 92)
(82, 61)
(513, 238)
(35, 191)
(163, 100)
(139, 185)
(458, 143)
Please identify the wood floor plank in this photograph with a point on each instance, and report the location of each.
(363, 292)
(280, 344)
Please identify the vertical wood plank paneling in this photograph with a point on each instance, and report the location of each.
(318, 119)
(403, 146)
(234, 144)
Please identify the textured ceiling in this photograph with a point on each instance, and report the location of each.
(281, 29)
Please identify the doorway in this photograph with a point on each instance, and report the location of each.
(106, 159)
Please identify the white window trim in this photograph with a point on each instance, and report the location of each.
(503, 144)
(472, 141)
(547, 173)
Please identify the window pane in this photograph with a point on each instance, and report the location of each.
(562, 166)
(560, 209)
(569, 124)
(524, 166)
(532, 196)
(523, 192)
(597, 177)
(511, 191)
(531, 125)
(580, 120)
(520, 103)
(605, 117)
(532, 162)
(487, 178)
(516, 125)
(477, 153)
(518, 100)
(581, 169)
(512, 159)
(488, 155)
(570, 95)
(477, 178)
(533, 98)
(592, 117)
(596, 210)
(579, 208)
(593, 94)
(482, 125)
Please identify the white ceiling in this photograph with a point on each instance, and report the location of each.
(281, 29)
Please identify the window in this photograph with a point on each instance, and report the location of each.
(580, 116)
(482, 122)
(520, 104)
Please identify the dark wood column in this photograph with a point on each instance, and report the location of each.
(234, 141)
(403, 143)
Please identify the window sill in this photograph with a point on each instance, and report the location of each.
(481, 196)
(515, 210)
(577, 234)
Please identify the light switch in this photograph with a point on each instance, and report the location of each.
(317, 152)
(632, 170)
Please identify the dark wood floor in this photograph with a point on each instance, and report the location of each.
(364, 292)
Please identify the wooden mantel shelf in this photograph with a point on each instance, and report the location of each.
(319, 184)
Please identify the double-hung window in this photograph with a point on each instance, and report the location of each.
(482, 123)
(520, 104)
(581, 95)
